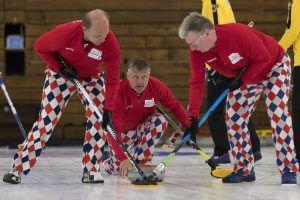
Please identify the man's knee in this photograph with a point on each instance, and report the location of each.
(159, 119)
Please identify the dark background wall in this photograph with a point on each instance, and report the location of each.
(143, 28)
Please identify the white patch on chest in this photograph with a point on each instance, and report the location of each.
(95, 53)
(235, 57)
(149, 103)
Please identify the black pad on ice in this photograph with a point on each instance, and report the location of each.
(135, 178)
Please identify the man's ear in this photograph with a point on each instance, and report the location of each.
(84, 28)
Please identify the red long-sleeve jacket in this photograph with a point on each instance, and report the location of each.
(67, 41)
(131, 109)
(236, 46)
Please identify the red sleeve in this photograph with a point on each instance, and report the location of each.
(167, 99)
(49, 43)
(112, 77)
(255, 51)
(118, 150)
(117, 114)
(117, 121)
(197, 83)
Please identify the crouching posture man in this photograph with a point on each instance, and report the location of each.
(135, 119)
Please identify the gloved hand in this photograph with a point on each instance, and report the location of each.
(107, 118)
(68, 73)
(193, 129)
(235, 85)
(214, 77)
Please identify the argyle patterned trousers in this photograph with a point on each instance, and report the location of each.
(242, 102)
(57, 92)
(140, 142)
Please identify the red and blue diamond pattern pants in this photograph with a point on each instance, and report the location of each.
(57, 92)
(140, 142)
(241, 104)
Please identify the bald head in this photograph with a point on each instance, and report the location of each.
(95, 26)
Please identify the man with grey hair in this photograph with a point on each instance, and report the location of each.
(138, 124)
(220, 12)
(229, 49)
(83, 45)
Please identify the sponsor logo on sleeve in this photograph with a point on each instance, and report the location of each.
(69, 49)
(129, 107)
(211, 60)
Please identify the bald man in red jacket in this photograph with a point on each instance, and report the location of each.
(84, 45)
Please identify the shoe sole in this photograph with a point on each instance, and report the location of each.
(6, 181)
(101, 181)
(247, 180)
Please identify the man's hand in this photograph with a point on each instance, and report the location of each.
(107, 118)
(68, 73)
(193, 129)
(124, 167)
(236, 85)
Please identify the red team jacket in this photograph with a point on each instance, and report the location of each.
(66, 40)
(236, 45)
(131, 109)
